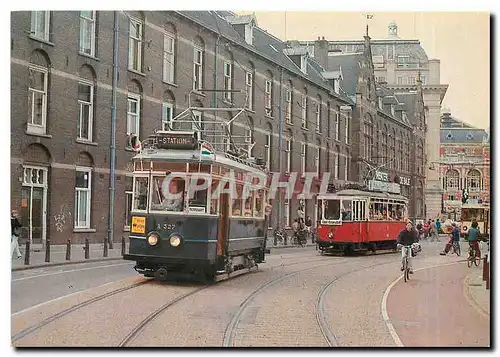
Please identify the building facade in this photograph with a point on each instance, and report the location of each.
(464, 164)
(62, 68)
(388, 129)
(397, 64)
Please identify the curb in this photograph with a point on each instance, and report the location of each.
(66, 263)
(473, 301)
(289, 246)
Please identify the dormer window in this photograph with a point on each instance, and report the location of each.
(380, 103)
(303, 64)
(392, 109)
(249, 33)
(336, 85)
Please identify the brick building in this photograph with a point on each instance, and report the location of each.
(61, 98)
(388, 129)
(464, 164)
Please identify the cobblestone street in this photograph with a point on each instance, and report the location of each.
(296, 299)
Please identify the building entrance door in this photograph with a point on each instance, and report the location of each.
(34, 204)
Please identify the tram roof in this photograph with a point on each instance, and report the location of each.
(360, 193)
(195, 156)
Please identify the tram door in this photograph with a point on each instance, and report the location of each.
(223, 226)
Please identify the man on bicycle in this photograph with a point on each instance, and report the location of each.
(473, 236)
(407, 237)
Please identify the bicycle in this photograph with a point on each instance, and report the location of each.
(473, 257)
(406, 268)
(280, 236)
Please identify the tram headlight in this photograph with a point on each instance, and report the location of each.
(175, 240)
(153, 239)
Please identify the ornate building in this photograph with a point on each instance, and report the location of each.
(398, 64)
(388, 129)
(464, 164)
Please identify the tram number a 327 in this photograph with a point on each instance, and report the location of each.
(165, 226)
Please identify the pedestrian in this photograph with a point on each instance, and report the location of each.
(309, 227)
(433, 232)
(438, 226)
(16, 230)
(295, 229)
(454, 239)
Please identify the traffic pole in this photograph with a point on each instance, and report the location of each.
(68, 250)
(86, 248)
(27, 253)
(47, 251)
(105, 253)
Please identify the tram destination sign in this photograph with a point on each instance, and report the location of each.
(374, 185)
(177, 141)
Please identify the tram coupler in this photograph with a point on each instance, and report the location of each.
(161, 274)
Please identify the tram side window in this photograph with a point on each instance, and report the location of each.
(199, 196)
(214, 201)
(236, 211)
(332, 210)
(249, 201)
(168, 198)
(346, 210)
(378, 211)
(259, 204)
(141, 193)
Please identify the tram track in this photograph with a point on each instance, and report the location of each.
(324, 326)
(65, 312)
(139, 327)
(151, 317)
(329, 336)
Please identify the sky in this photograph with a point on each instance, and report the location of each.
(461, 40)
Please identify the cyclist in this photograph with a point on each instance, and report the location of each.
(472, 237)
(407, 237)
(454, 238)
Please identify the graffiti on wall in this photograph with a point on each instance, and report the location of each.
(61, 217)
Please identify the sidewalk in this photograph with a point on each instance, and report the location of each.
(58, 255)
(476, 291)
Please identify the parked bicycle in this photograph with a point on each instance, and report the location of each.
(280, 236)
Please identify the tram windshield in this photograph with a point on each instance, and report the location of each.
(468, 214)
(331, 210)
(168, 194)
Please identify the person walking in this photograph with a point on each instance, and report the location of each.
(309, 228)
(15, 231)
(433, 232)
(438, 226)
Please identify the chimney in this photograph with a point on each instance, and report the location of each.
(321, 52)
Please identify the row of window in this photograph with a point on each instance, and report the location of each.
(40, 29)
(472, 181)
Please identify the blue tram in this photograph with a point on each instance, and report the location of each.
(210, 225)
